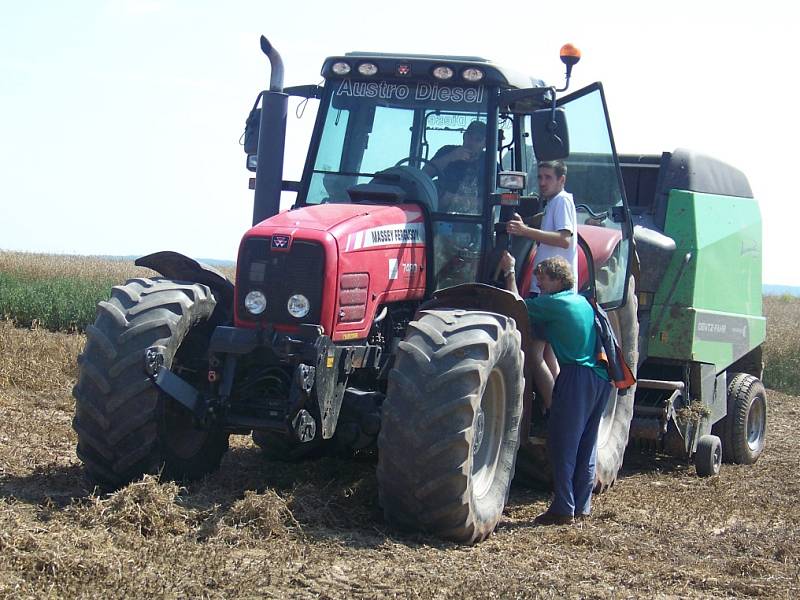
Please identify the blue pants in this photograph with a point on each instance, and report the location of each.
(579, 399)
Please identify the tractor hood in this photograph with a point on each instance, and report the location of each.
(361, 222)
(309, 249)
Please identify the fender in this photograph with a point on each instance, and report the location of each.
(174, 265)
(479, 296)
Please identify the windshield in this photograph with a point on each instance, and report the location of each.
(372, 126)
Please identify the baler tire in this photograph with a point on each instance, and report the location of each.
(126, 426)
(450, 424)
(708, 457)
(743, 430)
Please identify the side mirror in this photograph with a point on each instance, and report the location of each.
(251, 126)
(549, 134)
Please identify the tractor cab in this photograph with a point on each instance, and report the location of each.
(388, 127)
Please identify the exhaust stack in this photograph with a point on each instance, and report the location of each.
(271, 140)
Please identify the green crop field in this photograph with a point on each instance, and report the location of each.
(60, 293)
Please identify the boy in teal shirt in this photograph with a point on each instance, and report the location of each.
(581, 389)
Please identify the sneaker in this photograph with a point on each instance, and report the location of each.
(551, 518)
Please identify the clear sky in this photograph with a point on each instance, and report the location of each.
(120, 119)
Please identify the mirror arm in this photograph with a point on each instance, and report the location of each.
(551, 127)
(566, 82)
(508, 98)
(304, 91)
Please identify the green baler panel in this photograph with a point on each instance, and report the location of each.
(708, 307)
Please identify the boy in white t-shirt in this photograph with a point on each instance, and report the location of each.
(556, 237)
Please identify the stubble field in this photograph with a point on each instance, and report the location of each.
(265, 529)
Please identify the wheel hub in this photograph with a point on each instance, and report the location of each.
(480, 427)
(755, 425)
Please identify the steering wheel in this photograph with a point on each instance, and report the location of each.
(424, 161)
(596, 216)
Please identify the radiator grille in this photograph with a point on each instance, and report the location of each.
(280, 273)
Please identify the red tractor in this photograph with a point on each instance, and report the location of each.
(368, 314)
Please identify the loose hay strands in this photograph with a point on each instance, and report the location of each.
(147, 507)
(261, 515)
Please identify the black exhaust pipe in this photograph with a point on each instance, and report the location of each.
(271, 140)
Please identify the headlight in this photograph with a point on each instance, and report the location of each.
(443, 72)
(255, 302)
(341, 68)
(298, 306)
(368, 69)
(472, 74)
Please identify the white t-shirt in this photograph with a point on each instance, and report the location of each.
(559, 213)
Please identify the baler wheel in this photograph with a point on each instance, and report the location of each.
(744, 428)
(708, 457)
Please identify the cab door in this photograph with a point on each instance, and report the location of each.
(595, 180)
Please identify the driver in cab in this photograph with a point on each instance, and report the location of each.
(459, 171)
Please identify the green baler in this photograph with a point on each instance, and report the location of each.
(698, 239)
(708, 307)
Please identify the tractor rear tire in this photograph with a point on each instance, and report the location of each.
(126, 426)
(615, 424)
(450, 424)
(743, 430)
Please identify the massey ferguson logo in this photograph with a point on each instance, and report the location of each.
(281, 242)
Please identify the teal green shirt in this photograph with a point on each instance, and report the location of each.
(568, 321)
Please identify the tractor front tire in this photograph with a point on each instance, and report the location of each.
(126, 426)
(450, 424)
